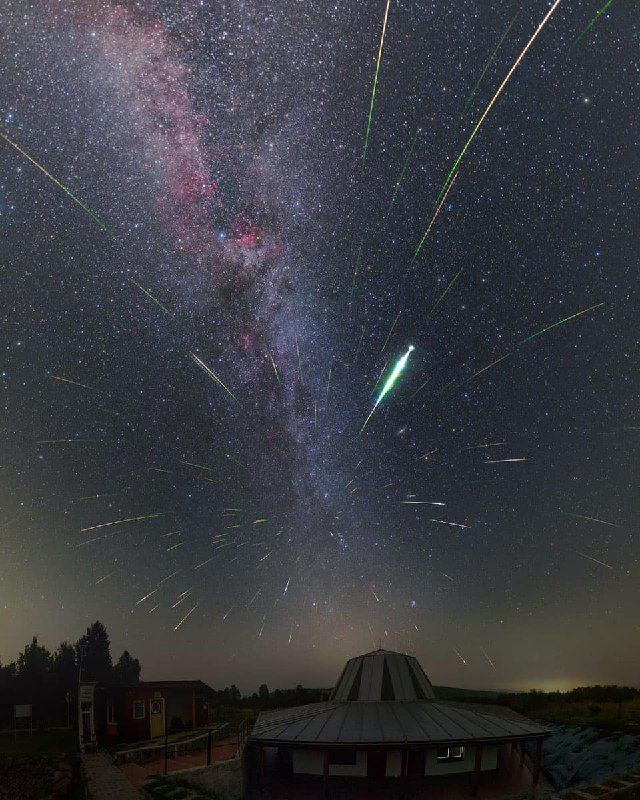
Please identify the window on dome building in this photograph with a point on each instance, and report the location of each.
(342, 758)
(450, 753)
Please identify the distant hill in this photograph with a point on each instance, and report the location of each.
(451, 693)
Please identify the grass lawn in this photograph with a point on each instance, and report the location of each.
(41, 743)
(604, 715)
(158, 787)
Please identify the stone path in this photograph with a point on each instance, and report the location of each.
(105, 780)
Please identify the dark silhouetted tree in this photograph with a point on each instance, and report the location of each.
(33, 665)
(8, 675)
(65, 666)
(127, 670)
(263, 694)
(94, 654)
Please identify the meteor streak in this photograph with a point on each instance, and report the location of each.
(590, 25)
(75, 383)
(428, 231)
(594, 519)
(275, 369)
(404, 168)
(390, 382)
(186, 616)
(487, 65)
(211, 374)
(504, 460)
(499, 91)
(459, 656)
(56, 181)
(355, 272)
(491, 664)
(120, 521)
(444, 522)
(299, 362)
(444, 294)
(395, 322)
(595, 560)
(155, 300)
(484, 369)
(375, 83)
(560, 322)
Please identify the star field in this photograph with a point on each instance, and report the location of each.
(193, 355)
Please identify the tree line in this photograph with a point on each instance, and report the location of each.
(43, 678)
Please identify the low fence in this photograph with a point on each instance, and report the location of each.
(203, 740)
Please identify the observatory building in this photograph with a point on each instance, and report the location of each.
(383, 723)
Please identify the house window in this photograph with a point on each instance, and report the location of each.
(138, 709)
(111, 712)
(444, 754)
(343, 758)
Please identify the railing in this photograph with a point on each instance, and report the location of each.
(244, 731)
(202, 747)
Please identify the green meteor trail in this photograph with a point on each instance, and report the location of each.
(154, 299)
(395, 374)
(560, 322)
(487, 65)
(590, 25)
(85, 208)
(404, 169)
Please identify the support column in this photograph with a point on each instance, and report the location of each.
(521, 745)
(404, 761)
(476, 770)
(538, 764)
(261, 766)
(325, 773)
(193, 709)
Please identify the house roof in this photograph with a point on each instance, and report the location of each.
(385, 697)
(383, 675)
(197, 685)
(409, 721)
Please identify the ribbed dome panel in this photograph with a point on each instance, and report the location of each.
(383, 675)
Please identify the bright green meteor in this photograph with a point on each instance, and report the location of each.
(395, 374)
(590, 25)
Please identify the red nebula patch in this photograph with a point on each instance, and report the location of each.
(247, 338)
(245, 232)
(196, 188)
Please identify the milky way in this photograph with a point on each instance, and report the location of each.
(198, 373)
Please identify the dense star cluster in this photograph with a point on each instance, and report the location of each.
(208, 279)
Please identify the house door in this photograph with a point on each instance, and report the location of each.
(377, 764)
(416, 763)
(156, 715)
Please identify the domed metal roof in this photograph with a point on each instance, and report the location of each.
(383, 675)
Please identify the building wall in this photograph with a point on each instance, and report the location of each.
(394, 763)
(359, 768)
(467, 764)
(311, 761)
(307, 762)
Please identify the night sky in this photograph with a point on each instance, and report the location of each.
(193, 354)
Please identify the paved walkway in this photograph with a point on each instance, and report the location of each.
(105, 780)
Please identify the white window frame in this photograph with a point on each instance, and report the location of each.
(449, 757)
(137, 704)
